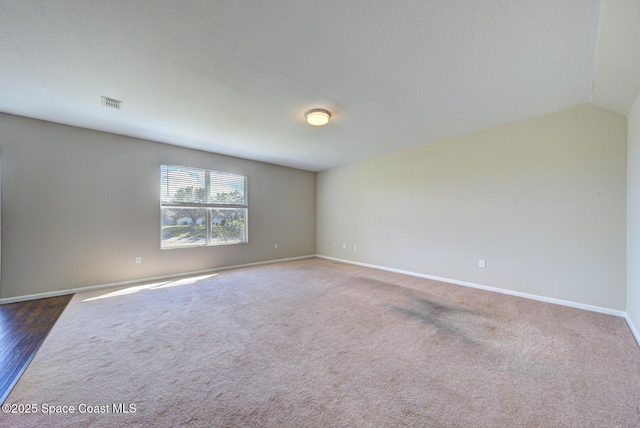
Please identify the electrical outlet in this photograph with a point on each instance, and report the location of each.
(481, 263)
(355, 248)
(334, 245)
(138, 260)
(344, 246)
(275, 246)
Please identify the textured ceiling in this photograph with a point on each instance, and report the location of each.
(236, 77)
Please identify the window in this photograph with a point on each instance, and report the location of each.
(202, 207)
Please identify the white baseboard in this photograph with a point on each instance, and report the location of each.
(591, 308)
(633, 329)
(142, 280)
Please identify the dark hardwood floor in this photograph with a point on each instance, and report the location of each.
(23, 328)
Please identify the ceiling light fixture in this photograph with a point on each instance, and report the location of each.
(318, 116)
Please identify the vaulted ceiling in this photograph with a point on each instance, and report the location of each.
(236, 77)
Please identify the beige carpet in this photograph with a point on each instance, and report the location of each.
(315, 343)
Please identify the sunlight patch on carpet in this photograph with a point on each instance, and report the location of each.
(153, 286)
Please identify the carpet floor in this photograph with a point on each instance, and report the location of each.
(316, 343)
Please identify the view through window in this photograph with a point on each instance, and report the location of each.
(202, 207)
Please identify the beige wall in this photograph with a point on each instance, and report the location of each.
(541, 200)
(633, 217)
(78, 206)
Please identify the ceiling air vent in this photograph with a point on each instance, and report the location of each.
(112, 102)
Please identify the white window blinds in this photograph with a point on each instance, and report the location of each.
(194, 187)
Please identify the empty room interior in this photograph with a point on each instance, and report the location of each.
(458, 244)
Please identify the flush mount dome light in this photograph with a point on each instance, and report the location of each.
(318, 116)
